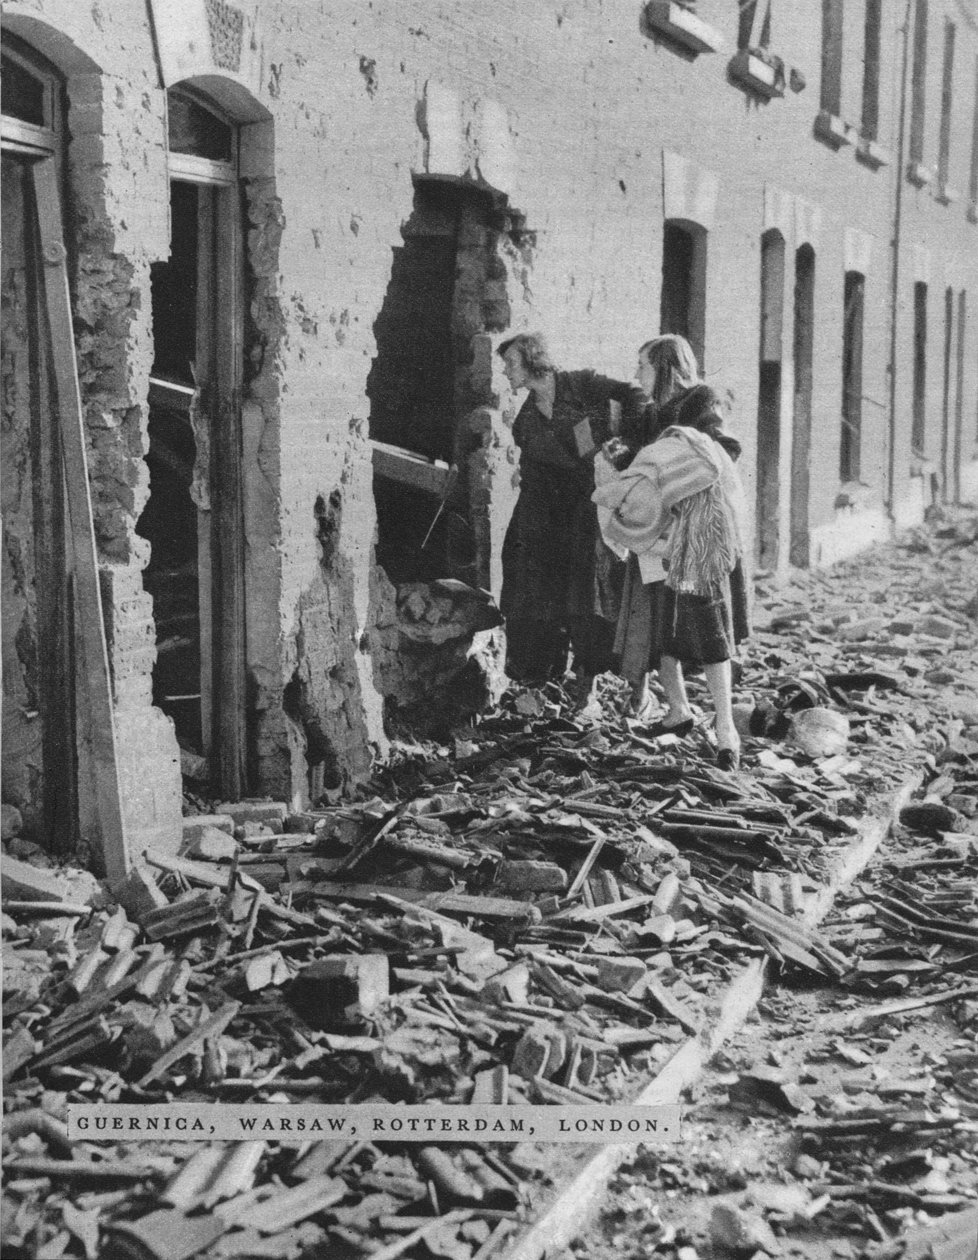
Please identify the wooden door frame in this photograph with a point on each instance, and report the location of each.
(220, 354)
(92, 735)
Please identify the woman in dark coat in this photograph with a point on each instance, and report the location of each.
(561, 583)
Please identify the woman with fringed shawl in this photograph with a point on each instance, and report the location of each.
(677, 509)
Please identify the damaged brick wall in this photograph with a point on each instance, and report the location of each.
(116, 131)
(351, 96)
(115, 128)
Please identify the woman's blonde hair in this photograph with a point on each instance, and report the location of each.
(675, 366)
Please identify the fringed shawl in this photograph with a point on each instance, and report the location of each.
(685, 485)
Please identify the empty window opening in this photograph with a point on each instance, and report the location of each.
(947, 93)
(192, 518)
(683, 302)
(918, 83)
(852, 376)
(871, 70)
(769, 400)
(918, 433)
(830, 92)
(421, 382)
(754, 24)
(39, 750)
(801, 443)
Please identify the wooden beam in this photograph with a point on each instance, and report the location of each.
(227, 516)
(409, 468)
(95, 714)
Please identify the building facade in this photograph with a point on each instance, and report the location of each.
(293, 234)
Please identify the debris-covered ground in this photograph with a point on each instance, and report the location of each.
(544, 909)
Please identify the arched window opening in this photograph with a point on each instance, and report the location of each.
(31, 92)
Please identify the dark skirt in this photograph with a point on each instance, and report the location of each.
(656, 621)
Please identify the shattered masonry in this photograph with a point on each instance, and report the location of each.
(573, 168)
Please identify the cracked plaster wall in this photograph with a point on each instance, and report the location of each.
(591, 104)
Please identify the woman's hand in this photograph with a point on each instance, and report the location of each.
(617, 454)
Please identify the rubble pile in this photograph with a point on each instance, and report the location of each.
(542, 912)
(845, 1123)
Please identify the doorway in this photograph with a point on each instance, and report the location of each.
(801, 435)
(682, 307)
(854, 297)
(193, 516)
(769, 401)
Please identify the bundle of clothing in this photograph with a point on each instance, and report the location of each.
(678, 505)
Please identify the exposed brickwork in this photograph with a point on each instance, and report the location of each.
(569, 109)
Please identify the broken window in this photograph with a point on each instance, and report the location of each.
(193, 515)
(421, 383)
(683, 299)
(769, 400)
(947, 93)
(39, 748)
(919, 429)
(852, 375)
(830, 92)
(871, 70)
(802, 351)
(918, 84)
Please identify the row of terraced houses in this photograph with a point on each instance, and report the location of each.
(258, 256)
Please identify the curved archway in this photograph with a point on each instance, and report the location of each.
(62, 52)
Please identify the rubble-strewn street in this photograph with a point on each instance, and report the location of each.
(552, 908)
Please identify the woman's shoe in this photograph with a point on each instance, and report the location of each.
(680, 729)
(728, 758)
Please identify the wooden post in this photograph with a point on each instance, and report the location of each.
(228, 757)
(95, 715)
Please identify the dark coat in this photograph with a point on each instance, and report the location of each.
(555, 566)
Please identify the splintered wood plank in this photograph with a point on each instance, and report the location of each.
(95, 714)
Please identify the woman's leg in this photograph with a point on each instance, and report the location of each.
(718, 680)
(674, 685)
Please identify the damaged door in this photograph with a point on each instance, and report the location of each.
(193, 518)
(39, 762)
